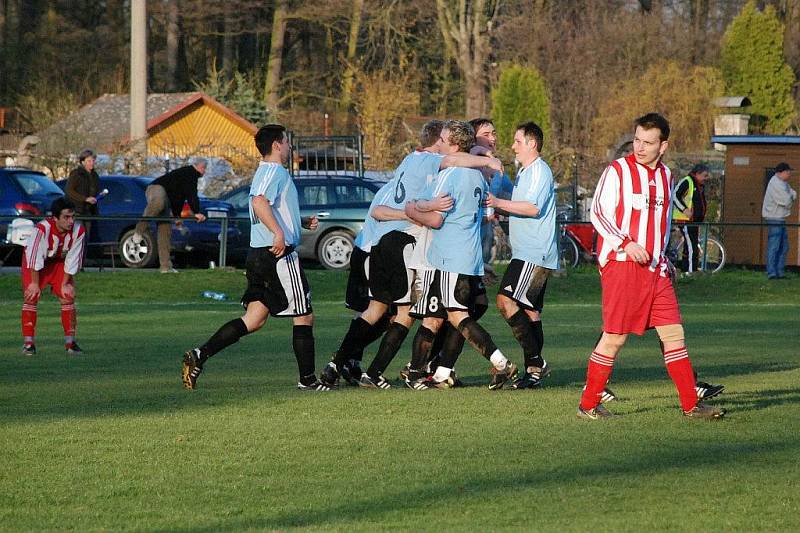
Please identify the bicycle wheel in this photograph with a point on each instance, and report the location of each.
(568, 252)
(714, 258)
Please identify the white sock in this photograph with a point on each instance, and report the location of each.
(442, 373)
(498, 360)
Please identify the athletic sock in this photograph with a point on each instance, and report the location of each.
(680, 370)
(597, 375)
(453, 345)
(228, 334)
(353, 343)
(438, 341)
(478, 337)
(68, 320)
(538, 332)
(499, 360)
(29, 314)
(523, 331)
(389, 347)
(442, 373)
(421, 347)
(303, 345)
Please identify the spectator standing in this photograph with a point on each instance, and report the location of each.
(165, 198)
(688, 207)
(778, 200)
(83, 185)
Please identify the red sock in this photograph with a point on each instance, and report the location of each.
(597, 375)
(68, 322)
(680, 370)
(28, 322)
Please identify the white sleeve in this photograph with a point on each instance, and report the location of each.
(36, 248)
(74, 259)
(604, 207)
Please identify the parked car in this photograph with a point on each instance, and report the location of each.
(23, 192)
(126, 198)
(341, 203)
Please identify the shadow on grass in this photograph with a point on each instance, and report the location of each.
(353, 509)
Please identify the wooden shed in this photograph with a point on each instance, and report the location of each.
(178, 125)
(749, 164)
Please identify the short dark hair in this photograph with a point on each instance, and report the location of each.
(430, 132)
(699, 168)
(477, 123)
(531, 130)
(654, 120)
(782, 167)
(60, 204)
(85, 154)
(461, 134)
(266, 135)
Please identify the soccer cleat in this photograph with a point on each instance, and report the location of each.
(367, 382)
(428, 383)
(29, 349)
(705, 412)
(73, 349)
(532, 378)
(499, 377)
(706, 391)
(595, 414)
(607, 396)
(191, 369)
(405, 372)
(351, 372)
(316, 386)
(329, 375)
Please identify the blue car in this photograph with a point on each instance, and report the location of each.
(126, 198)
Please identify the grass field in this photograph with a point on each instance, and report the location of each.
(111, 441)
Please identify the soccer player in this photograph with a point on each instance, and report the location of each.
(455, 252)
(630, 212)
(276, 283)
(390, 278)
(53, 255)
(532, 232)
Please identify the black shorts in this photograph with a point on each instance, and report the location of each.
(278, 283)
(446, 291)
(357, 295)
(389, 279)
(525, 283)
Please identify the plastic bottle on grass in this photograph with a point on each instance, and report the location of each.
(219, 296)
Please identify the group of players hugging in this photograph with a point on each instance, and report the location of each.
(419, 257)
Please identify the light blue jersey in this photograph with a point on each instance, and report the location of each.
(368, 236)
(273, 182)
(533, 239)
(409, 182)
(456, 245)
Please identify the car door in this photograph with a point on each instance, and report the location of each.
(315, 198)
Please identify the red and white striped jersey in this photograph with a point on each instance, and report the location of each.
(632, 203)
(47, 244)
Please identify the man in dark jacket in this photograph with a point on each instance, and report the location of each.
(82, 187)
(165, 198)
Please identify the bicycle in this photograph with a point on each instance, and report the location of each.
(711, 252)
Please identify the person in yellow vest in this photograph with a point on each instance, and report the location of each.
(689, 205)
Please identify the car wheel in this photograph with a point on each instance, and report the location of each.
(334, 249)
(141, 255)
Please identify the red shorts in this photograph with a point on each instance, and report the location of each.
(52, 274)
(636, 299)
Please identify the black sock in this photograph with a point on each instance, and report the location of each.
(352, 346)
(228, 334)
(394, 337)
(438, 342)
(421, 348)
(478, 337)
(375, 332)
(453, 345)
(537, 360)
(303, 344)
(522, 330)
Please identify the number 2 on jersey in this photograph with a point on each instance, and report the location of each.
(477, 193)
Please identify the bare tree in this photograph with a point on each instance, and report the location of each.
(352, 44)
(466, 27)
(275, 61)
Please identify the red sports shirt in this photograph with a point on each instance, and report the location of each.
(632, 203)
(46, 244)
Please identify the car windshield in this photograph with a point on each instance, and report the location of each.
(36, 184)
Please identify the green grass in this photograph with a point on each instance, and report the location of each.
(111, 441)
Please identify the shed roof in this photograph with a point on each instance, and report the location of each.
(756, 139)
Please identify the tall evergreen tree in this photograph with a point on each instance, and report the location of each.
(753, 65)
(520, 95)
